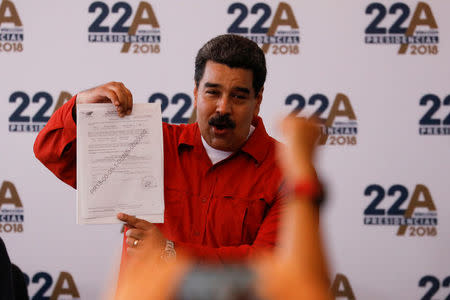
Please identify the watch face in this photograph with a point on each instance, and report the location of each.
(169, 254)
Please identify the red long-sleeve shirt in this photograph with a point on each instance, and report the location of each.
(214, 212)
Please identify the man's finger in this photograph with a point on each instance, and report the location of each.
(130, 100)
(111, 95)
(136, 233)
(131, 242)
(119, 100)
(126, 96)
(119, 89)
(126, 218)
(133, 221)
(132, 251)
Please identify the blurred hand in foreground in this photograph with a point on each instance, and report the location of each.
(297, 269)
(296, 156)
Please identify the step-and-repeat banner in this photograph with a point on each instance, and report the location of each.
(376, 72)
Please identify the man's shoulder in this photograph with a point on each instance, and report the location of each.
(176, 133)
(271, 145)
(177, 128)
(261, 146)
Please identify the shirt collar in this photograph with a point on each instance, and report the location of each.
(257, 145)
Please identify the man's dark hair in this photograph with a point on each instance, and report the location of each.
(236, 52)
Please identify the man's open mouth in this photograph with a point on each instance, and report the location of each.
(221, 126)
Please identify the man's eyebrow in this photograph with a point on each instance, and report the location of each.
(238, 88)
(243, 90)
(211, 85)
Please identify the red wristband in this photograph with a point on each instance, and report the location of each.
(306, 188)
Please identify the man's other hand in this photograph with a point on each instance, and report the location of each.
(142, 234)
(114, 92)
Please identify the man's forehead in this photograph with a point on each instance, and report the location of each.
(211, 64)
(218, 74)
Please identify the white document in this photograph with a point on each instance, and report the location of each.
(119, 163)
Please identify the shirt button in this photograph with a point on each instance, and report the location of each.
(204, 200)
(196, 233)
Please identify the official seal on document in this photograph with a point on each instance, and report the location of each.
(148, 182)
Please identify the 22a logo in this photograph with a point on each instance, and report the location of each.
(11, 209)
(180, 98)
(21, 121)
(8, 14)
(341, 288)
(422, 42)
(421, 223)
(339, 127)
(283, 42)
(434, 288)
(11, 35)
(65, 286)
(430, 124)
(146, 40)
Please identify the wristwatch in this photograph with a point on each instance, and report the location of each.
(169, 254)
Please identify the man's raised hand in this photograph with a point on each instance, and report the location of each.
(114, 92)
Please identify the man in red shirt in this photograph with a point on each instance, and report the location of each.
(221, 183)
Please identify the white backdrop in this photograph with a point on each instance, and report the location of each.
(377, 167)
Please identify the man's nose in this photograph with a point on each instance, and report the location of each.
(224, 105)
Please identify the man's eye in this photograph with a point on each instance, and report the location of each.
(211, 92)
(240, 97)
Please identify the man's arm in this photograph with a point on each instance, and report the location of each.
(55, 146)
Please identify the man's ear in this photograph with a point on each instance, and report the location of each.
(260, 96)
(258, 99)
(195, 95)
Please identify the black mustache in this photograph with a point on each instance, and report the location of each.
(222, 121)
